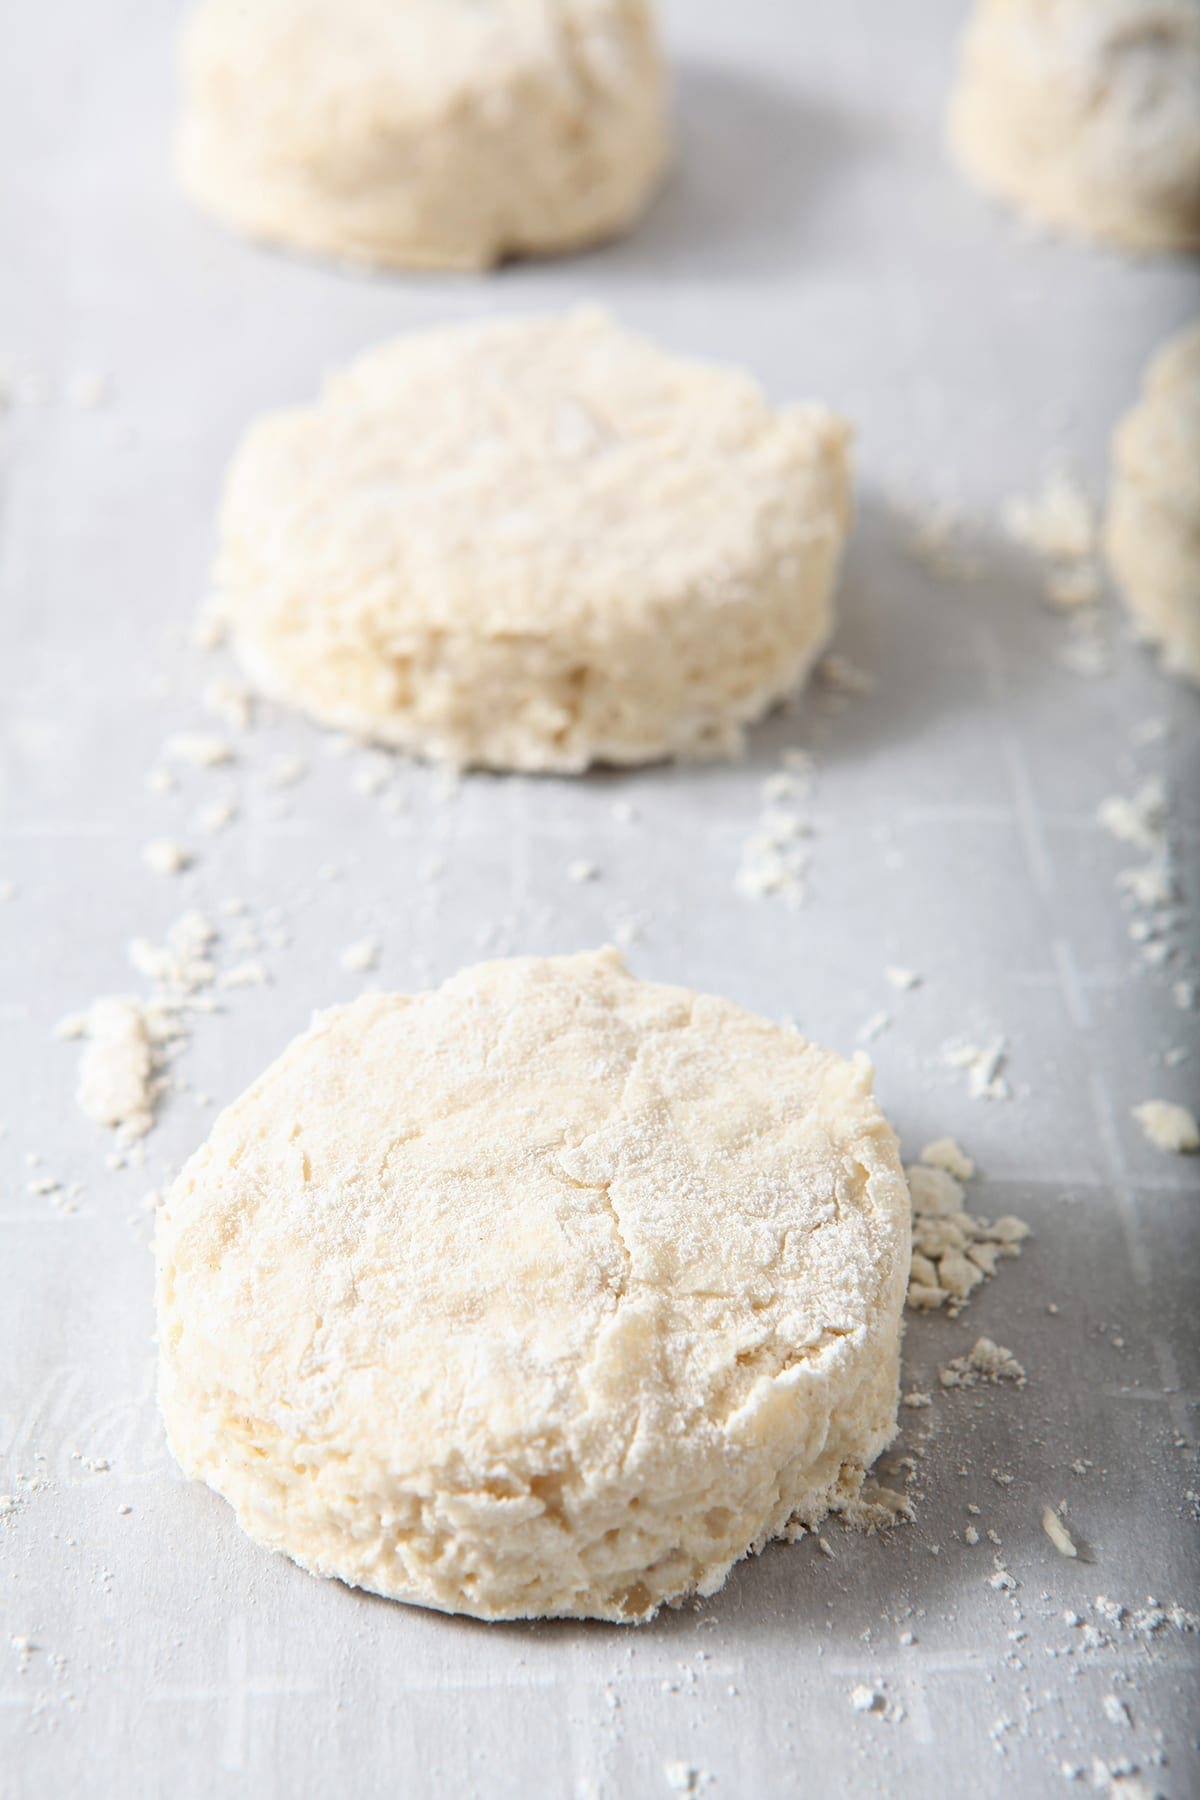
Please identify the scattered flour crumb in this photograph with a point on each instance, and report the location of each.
(166, 857)
(286, 771)
(844, 677)
(1057, 523)
(1002, 1580)
(902, 979)
(1115, 1710)
(244, 975)
(934, 539)
(230, 701)
(877, 1508)
(775, 856)
(874, 1027)
(1138, 819)
(1057, 1532)
(1058, 526)
(217, 816)
(983, 1066)
(120, 1074)
(582, 870)
(198, 748)
(360, 958)
(1122, 1781)
(8, 891)
(182, 966)
(985, 1361)
(866, 1699)
(683, 1778)
(117, 1071)
(1153, 885)
(372, 776)
(1168, 1126)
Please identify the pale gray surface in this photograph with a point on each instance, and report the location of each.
(814, 231)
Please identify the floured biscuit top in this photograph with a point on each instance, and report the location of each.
(1086, 115)
(551, 1291)
(535, 544)
(414, 133)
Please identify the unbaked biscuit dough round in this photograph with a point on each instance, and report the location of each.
(1085, 114)
(423, 133)
(550, 1292)
(1152, 533)
(535, 545)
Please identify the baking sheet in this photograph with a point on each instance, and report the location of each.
(814, 231)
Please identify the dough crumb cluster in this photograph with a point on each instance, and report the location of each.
(1169, 1126)
(953, 1251)
(1057, 524)
(119, 1070)
(775, 856)
(985, 1362)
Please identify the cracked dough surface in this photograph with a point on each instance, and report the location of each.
(1085, 114)
(423, 133)
(535, 544)
(549, 1292)
(1152, 532)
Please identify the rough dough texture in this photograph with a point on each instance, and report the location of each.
(551, 1292)
(1152, 533)
(535, 545)
(1085, 114)
(423, 133)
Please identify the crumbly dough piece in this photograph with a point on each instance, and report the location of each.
(550, 1292)
(535, 545)
(1152, 533)
(1085, 114)
(117, 1073)
(423, 133)
(1169, 1126)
